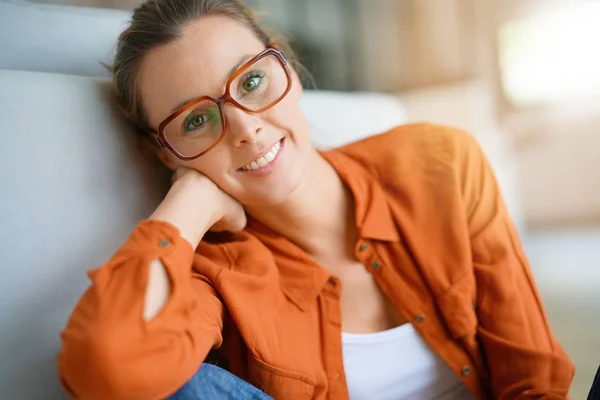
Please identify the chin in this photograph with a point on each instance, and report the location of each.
(270, 196)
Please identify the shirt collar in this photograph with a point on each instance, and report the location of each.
(372, 211)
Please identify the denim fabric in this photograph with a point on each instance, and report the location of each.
(212, 382)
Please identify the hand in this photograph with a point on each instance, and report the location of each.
(195, 204)
(232, 215)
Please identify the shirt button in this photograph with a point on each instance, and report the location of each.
(164, 243)
(466, 370)
(376, 265)
(362, 247)
(419, 319)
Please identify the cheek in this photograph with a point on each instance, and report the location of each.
(214, 165)
(288, 115)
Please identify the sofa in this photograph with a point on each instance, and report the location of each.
(73, 181)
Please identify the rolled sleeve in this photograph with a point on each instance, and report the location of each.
(110, 352)
(525, 359)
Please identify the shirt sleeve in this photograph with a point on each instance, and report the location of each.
(110, 352)
(525, 359)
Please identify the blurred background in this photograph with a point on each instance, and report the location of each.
(523, 77)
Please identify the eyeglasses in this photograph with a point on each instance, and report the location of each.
(197, 127)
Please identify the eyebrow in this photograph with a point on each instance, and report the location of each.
(231, 71)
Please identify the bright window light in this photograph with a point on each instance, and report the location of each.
(552, 55)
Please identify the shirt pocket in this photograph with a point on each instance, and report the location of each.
(457, 306)
(279, 383)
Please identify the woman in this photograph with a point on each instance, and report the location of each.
(386, 269)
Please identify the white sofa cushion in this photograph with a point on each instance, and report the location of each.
(338, 118)
(54, 38)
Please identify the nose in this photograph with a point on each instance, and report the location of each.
(242, 127)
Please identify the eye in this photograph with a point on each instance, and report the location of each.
(252, 82)
(195, 122)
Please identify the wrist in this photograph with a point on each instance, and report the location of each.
(192, 208)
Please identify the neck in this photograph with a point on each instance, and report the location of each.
(318, 216)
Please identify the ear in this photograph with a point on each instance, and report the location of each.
(148, 148)
(165, 157)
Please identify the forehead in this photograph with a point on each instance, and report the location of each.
(196, 64)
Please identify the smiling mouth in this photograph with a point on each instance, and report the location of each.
(264, 160)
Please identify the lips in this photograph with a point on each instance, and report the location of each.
(263, 160)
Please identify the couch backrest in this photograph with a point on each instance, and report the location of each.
(54, 38)
(72, 188)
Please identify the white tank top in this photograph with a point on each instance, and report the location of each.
(397, 364)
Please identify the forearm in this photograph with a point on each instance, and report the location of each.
(192, 223)
(158, 290)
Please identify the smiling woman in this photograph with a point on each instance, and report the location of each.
(387, 269)
(214, 131)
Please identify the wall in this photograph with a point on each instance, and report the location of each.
(556, 145)
(558, 152)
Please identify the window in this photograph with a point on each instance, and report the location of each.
(552, 54)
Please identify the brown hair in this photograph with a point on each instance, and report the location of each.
(157, 22)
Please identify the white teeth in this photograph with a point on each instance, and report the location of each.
(269, 157)
(264, 160)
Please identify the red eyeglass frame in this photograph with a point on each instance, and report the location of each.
(162, 141)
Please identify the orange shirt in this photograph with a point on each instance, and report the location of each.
(433, 232)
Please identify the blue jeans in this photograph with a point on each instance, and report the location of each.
(212, 382)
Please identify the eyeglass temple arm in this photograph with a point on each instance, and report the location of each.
(159, 141)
